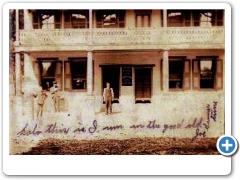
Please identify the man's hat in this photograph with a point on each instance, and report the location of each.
(54, 82)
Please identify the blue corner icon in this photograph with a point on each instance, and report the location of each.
(227, 145)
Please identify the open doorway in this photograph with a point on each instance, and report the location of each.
(111, 74)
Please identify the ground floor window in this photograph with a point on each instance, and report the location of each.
(48, 70)
(207, 73)
(79, 73)
(176, 74)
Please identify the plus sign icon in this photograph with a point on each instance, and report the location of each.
(227, 145)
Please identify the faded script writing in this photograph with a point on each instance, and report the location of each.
(201, 125)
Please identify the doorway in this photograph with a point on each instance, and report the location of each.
(111, 74)
(143, 85)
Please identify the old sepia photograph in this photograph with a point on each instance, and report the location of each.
(116, 81)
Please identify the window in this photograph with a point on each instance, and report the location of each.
(76, 19)
(46, 19)
(178, 18)
(207, 68)
(79, 73)
(111, 19)
(207, 73)
(218, 18)
(142, 20)
(176, 74)
(48, 70)
(179, 73)
(208, 18)
(203, 19)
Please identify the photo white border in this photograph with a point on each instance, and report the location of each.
(113, 165)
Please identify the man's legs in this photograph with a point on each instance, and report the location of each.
(41, 110)
(107, 105)
(110, 105)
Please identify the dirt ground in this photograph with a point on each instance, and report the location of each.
(133, 146)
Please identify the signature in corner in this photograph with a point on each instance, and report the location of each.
(199, 134)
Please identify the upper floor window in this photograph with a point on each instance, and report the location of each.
(46, 19)
(178, 18)
(76, 19)
(208, 18)
(110, 19)
(143, 18)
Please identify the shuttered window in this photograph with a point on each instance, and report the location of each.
(207, 73)
(179, 73)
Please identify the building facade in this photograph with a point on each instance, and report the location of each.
(169, 60)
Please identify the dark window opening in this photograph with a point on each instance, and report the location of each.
(47, 71)
(79, 73)
(176, 74)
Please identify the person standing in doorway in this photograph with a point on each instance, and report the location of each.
(108, 97)
(55, 96)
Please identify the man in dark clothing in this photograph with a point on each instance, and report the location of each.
(108, 97)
